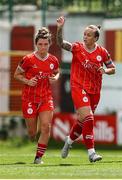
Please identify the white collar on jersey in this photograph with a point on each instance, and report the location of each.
(90, 50)
(42, 59)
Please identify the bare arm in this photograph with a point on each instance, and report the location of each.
(64, 44)
(55, 76)
(110, 71)
(110, 68)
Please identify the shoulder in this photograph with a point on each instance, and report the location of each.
(76, 46)
(54, 61)
(102, 49)
(26, 60)
(28, 56)
(105, 54)
(53, 58)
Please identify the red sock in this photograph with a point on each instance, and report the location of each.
(76, 130)
(41, 150)
(87, 131)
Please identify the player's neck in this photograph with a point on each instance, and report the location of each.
(41, 56)
(90, 48)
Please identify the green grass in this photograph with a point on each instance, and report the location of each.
(17, 163)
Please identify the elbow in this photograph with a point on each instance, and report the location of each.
(59, 43)
(15, 76)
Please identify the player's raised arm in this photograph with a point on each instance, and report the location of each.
(64, 44)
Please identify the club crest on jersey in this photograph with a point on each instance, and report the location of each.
(85, 99)
(29, 110)
(99, 58)
(51, 66)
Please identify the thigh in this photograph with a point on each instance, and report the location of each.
(44, 119)
(46, 105)
(80, 98)
(82, 103)
(31, 124)
(83, 112)
(94, 99)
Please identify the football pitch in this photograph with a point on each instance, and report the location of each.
(17, 163)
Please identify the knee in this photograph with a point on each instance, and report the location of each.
(83, 117)
(46, 128)
(32, 135)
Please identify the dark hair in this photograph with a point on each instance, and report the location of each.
(43, 33)
(97, 30)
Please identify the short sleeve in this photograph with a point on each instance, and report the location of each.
(106, 56)
(75, 47)
(107, 59)
(56, 63)
(24, 64)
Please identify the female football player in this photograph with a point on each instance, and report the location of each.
(37, 71)
(86, 80)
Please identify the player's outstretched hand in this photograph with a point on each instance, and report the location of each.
(60, 21)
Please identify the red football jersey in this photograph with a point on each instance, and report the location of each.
(41, 69)
(85, 65)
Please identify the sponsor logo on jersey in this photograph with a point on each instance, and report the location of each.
(42, 75)
(99, 58)
(86, 61)
(51, 66)
(83, 53)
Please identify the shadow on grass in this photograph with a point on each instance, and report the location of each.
(61, 164)
(68, 164)
(12, 163)
(49, 165)
(103, 162)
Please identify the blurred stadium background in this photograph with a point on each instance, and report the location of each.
(19, 21)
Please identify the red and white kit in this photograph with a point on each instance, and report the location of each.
(86, 81)
(37, 98)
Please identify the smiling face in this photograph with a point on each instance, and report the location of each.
(43, 46)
